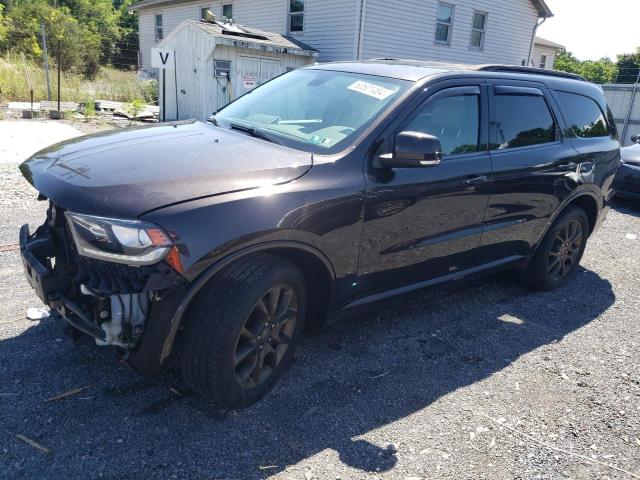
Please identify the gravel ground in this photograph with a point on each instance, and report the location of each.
(481, 380)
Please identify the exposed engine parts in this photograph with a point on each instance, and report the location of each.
(122, 317)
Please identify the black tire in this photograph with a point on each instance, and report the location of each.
(555, 261)
(225, 315)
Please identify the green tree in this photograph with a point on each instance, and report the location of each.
(600, 71)
(597, 71)
(99, 20)
(628, 67)
(126, 49)
(4, 31)
(91, 32)
(79, 46)
(567, 62)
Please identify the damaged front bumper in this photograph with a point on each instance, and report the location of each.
(120, 305)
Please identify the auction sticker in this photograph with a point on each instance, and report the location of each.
(371, 90)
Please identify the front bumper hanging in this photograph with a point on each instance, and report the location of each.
(59, 283)
(36, 252)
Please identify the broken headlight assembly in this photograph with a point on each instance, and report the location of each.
(129, 242)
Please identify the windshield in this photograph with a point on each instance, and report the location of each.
(313, 110)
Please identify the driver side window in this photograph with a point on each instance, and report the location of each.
(454, 120)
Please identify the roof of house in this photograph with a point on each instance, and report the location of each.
(543, 9)
(239, 35)
(548, 43)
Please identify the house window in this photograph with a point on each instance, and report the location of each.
(444, 23)
(543, 61)
(296, 15)
(203, 13)
(227, 10)
(478, 29)
(159, 34)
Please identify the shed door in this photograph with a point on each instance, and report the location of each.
(254, 71)
(269, 69)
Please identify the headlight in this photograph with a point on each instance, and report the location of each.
(122, 241)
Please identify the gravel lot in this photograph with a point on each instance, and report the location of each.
(482, 380)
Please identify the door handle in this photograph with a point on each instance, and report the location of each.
(476, 180)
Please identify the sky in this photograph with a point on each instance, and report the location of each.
(593, 29)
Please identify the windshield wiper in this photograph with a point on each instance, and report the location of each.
(254, 132)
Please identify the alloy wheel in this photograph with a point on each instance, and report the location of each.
(265, 336)
(565, 251)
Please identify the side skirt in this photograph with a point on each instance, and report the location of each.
(450, 277)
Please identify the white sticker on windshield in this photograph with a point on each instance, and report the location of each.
(371, 90)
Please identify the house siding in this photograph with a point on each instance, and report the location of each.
(507, 39)
(540, 50)
(399, 29)
(172, 16)
(330, 26)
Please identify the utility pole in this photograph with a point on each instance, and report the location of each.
(627, 120)
(46, 60)
(59, 62)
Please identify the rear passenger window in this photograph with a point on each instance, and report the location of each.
(522, 120)
(585, 117)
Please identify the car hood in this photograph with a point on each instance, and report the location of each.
(129, 172)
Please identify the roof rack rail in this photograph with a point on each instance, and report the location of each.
(532, 70)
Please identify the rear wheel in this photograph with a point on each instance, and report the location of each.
(558, 256)
(243, 330)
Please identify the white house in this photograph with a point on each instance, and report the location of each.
(463, 31)
(545, 53)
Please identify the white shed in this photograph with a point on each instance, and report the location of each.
(216, 62)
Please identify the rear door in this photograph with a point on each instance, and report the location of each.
(533, 164)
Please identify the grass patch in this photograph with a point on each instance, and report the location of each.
(109, 84)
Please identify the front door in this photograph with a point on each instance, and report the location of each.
(424, 223)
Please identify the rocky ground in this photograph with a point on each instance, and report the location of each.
(481, 380)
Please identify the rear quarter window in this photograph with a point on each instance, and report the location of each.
(584, 116)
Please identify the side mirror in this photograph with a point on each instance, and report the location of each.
(413, 150)
(635, 138)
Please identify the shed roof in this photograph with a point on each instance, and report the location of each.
(543, 9)
(548, 43)
(241, 36)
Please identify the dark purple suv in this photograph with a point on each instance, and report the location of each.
(326, 188)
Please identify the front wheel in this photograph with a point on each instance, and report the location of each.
(559, 254)
(242, 331)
